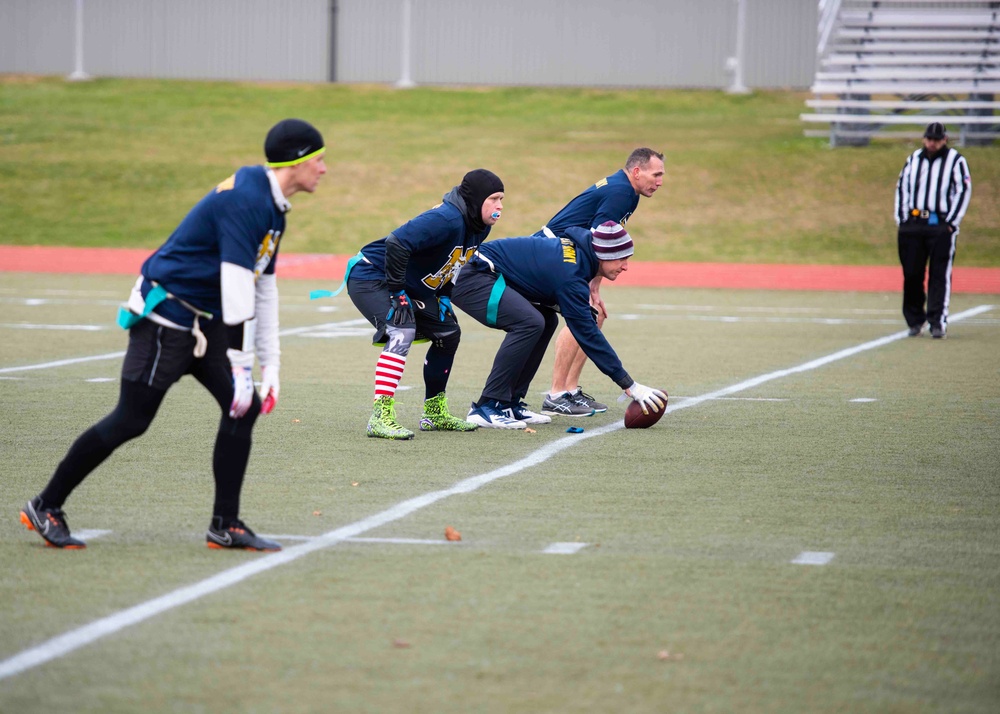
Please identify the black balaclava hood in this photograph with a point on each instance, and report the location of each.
(476, 187)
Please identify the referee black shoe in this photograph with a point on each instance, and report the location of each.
(50, 524)
(915, 331)
(937, 333)
(236, 535)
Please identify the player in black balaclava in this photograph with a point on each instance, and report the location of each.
(402, 284)
(476, 187)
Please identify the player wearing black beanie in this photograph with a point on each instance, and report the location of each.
(291, 142)
(205, 304)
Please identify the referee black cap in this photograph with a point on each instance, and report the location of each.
(292, 141)
(935, 130)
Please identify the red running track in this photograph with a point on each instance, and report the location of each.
(330, 268)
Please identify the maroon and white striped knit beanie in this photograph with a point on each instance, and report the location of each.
(612, 241)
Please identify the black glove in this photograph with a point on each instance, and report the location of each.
(401, 312)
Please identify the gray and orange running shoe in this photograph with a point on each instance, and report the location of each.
(50, 524)
(236, 535)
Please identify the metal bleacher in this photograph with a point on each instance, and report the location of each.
(886, 65)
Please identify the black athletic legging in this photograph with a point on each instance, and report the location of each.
(137, 406)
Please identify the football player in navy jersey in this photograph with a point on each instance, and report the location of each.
(205, 303)
(520, 286)
(402, 284)
(614, 199)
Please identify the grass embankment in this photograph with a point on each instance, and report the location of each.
(118, 162)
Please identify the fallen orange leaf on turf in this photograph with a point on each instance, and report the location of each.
(401, 644)
(451, 534)
(317, 513)
(529, 430)
(665, 656)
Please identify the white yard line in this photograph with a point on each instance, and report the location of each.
(62, 362)
(115, 355)
(401, 541)
(38, 326)
(62, 645)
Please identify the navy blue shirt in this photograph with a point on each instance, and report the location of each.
(438, 242)
(610, 199)
(237, 222)
(556, 272)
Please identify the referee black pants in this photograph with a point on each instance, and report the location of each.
(529, 330)
(920, 246)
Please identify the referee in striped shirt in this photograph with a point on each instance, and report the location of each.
(932, 195)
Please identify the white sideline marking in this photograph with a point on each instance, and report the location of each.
(862, 400)
(810, 557)
(62, 645)
(99, 380)
(565, 548)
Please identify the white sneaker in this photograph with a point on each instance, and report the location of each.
(520, 412)
(490, 417)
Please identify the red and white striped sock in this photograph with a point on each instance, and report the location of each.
(388, 372)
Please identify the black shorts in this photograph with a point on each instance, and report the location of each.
(158, 356)
(372, 299)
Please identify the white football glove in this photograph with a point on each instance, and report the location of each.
(242, 392)
(269, 388)
(647, 397)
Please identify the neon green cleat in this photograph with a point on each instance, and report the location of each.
(383, 424)
(437, 417)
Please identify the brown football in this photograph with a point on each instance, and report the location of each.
(635, 419)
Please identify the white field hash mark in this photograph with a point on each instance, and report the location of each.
(810, 557)
(62, 645)
(565, 548)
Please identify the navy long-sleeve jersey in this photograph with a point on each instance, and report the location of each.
(439, 243)
(556, 272)
(238, 222)
(610, 199)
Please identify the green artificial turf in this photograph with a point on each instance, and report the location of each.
(684, 598)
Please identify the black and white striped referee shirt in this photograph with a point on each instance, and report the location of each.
(940, 185)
